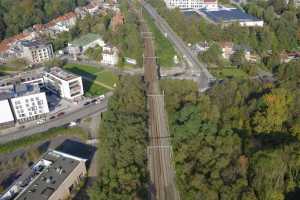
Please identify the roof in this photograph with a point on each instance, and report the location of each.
(26, 89)
(5, 44)
(61, 74)
(229, 15)
(85, 40)
(34, 44)
(6, 113)
(45, 177)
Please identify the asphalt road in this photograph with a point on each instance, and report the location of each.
(57, 122)
(197, 68)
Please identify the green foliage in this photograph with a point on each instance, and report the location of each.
(213, 55)
(15, 16)
(40, 137)
(94, 53)
(219, 154)
(123, 145)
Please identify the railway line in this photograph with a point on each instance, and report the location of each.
(159, 151)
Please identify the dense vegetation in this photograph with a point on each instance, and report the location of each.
(17, 15)
(122, 156)
(280, 32)
(240, 140)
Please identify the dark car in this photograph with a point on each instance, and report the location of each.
(87, 103)
(53, 117)
(60, 114)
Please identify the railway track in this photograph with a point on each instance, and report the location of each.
(159, 150)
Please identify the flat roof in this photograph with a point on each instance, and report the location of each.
(6, 113)
(62, 74)
(34, 44)
(85, 39)
(228, 15)
(45, 177)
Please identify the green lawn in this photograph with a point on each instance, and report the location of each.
(40, 137)
(229, 72)
(98, 80)
(164, 49)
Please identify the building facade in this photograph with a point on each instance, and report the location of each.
(191, 4)
(65, 84)
(36, 51)
(29, 106)
(6, 116)
(110, 55)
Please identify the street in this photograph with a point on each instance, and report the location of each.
(197, 68)
(57, 122)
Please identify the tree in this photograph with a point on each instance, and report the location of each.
(238, 58)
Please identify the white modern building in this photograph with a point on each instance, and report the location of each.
(110, 55)
(191, 4)
(36, 51)
(6, 116)
(65, 84)
(29, 103)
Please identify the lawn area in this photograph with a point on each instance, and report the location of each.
(229, 72)
(164, 49)
(96, 81)
(40, 137)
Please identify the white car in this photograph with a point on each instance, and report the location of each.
(72, 124)
(40, 121)
(101, 97)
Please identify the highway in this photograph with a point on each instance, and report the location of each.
(57, 122)
(197, 68)
(159, 151)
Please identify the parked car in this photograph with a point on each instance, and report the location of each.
(60, 114)
(72, 124)
(87, 103)
(101, 97)
(41, 121)
(52, 117)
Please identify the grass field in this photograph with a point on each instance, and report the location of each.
(229, 73)
(96, 81)
(163, 47)
(40, 137)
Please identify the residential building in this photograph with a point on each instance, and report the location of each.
(29, 103)
(6, 116)
(81, 44)
(191, 4)
(36, 51)
(54, 177)
(117, 20)
(227, 49)
(110, 55)
(65, 84)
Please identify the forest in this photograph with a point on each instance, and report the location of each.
(17, 15)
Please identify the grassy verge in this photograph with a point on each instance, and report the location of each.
(96, 81)
(229, 73)
(30, 140)
(163, 47)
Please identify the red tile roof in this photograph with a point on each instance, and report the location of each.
(5, 44)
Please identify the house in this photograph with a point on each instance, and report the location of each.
(81, 44)
(62, 23)
(117, 20)
(55, 176)
(110, 55)
(200, 47)
(92, 9)
(227, 49)
(65, 84)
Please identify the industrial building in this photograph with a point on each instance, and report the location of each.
(191, 4)
(65, 84)
(226, 15)
(54, 177)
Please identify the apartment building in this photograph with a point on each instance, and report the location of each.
(6, 117)
(36, 51)
(191, 4)
(29, 103)
(54, 177)
(65, 84)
